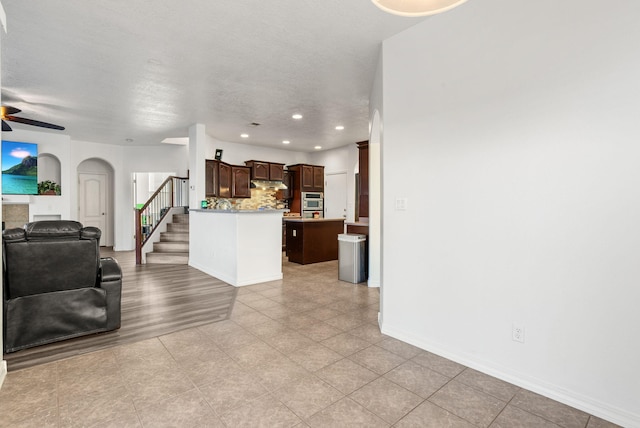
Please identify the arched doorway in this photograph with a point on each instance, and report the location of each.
(95, 197)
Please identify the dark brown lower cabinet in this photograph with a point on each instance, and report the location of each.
(313, 240)
(284, 235)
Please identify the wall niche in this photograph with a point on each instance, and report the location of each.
(49, 168)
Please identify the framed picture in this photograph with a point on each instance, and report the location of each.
(19, 168)
(218, 154)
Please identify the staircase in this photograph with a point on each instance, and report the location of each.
(173, 247)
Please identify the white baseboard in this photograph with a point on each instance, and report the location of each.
(571, 398)
(229, 279)
(3, 372)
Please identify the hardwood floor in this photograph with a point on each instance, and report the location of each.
(156, 300)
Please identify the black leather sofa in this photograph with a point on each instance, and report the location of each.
(55, 285)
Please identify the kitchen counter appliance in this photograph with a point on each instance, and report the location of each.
(312, 203)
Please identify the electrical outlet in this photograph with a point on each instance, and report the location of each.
(517, 333)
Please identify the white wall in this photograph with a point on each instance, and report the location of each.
(160, 158)
(375, 180)
(146, 184)
(342, 159)
(197, 168)
(57, 145)
(237, 154)
(113, 155)
(125, 161)
(516, 144)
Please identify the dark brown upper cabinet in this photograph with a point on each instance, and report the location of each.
(261, 170)
(211, 188)
(240, 181)
(227, 181)
(287, 179)
(276, 171)
(308, 178)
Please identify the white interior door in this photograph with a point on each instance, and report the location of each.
(92, 202)
(335, 195)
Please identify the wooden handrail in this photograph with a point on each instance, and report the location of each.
(156, 202)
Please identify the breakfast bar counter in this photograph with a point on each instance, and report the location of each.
(240, 247)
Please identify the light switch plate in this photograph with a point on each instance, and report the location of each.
(401, 204)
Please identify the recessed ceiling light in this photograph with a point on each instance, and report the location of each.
(129, 140)
(297, 116)
(286, 142)
(317, 147)
(339, 128)
(244, 135)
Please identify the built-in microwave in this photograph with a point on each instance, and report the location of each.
(312, 204)
(312, 195)
(312, 201)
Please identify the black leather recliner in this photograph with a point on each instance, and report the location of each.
(55, 285)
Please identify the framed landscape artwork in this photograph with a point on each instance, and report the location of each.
(19, 168)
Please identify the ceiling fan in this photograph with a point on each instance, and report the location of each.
(7, 114)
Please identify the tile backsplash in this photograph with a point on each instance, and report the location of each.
(260, 198)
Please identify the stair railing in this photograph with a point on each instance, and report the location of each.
(173, 192)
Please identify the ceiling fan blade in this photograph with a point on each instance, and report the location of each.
(9, 110)
(5, 127)
(33, 122)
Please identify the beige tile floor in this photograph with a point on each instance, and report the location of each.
(305, 351)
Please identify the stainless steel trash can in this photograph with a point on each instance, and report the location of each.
(352, 257)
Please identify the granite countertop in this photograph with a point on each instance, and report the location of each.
(270, 211)
(310, 220)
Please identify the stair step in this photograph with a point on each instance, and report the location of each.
(181, 218)
(168, 258)
(171, 247)
(174, 236)
(177, 227)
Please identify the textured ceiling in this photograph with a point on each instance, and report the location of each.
(112, 70)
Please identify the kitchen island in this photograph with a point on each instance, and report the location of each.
(359, 227)
(240, 247)
(313, 240)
